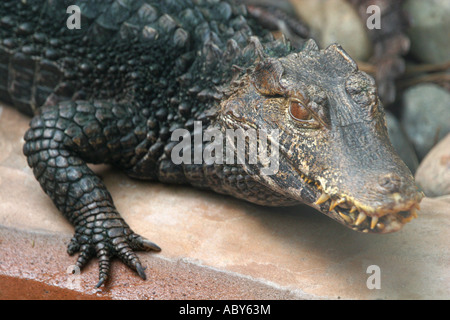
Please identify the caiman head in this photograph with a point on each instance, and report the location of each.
(334, 149)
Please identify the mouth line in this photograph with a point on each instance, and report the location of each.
(360, 217)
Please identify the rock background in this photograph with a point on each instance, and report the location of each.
(426, 116)
(433, 175)
(430, 30)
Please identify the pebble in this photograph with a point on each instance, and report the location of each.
(425, 116)
(401, 142)
(336, 21)
(430, 29)
(433, 174)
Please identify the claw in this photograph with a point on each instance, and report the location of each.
(141, 271)
(100, 282)
(150, 245)
(140, 243)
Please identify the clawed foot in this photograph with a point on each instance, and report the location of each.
(106, 239)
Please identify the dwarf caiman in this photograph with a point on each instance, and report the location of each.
(115, 89)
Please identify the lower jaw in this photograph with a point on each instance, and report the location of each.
(357, 218)
(386, 224)
(375, 221)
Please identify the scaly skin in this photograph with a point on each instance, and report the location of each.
(115, 90)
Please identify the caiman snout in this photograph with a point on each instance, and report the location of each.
(372, 191)
(384, 209)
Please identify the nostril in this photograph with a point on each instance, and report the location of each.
(390, 182)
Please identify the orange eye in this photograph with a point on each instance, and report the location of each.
(298, 111)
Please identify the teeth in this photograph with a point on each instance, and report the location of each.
(347, 219)
(410, 215)
(356, 216)
(361, 217)
(374, 222)
(397, 197)
(407, 219)
(324, 197)
(413, 213)
(335, 203)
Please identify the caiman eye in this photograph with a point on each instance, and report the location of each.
(298, 111)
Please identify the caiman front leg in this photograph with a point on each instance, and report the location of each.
(61, 141)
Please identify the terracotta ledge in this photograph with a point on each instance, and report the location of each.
(34, 266)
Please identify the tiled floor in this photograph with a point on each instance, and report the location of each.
(214, 247)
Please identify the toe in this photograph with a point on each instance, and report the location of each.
(73, 246)
(104, 263)
(86, 253)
